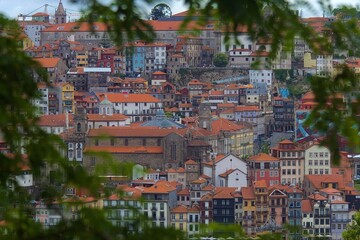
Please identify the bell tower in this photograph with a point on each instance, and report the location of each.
(205, 116)
(60, 14)
(80, 120)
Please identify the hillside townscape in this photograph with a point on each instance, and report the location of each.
(209, 130)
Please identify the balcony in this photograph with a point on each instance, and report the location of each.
(322, 215)
(340, 220)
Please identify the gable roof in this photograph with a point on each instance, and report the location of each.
(162, 187)
(263, 157)
(318, 180)
(48, 62)
(224, 192)
(57, 120)
(223, 124)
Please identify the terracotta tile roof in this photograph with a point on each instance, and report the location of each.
(162, 187)
(247, 193)
(206, 197)
(158, 73)
(181, 170)
(243, 108)
(226, 173)
(200, 132)
(125, 149)
(195, 82)
(260, 184)
(225, 105)
(317, 197)
(198, 181)
(285, 188)
(318, 180)
(185, 191)
(306, 206)
(171, 170)
(228, 111)
(127, 98)
(194, 209)
(330, 190)
(263, 157)
(224, 192)
(205, 176)
(136, 131)
(224, 125)
(48, 62)
(185, 105)
(216, 93)
(287, 141)
(179, 209)
(102, 117)
(308, 96)
(191, 162)
(58, 120)
(76, 27)
(232, 87)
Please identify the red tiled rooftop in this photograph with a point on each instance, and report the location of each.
(126, 149)
(128, 98)
(247, 193)
(103, 117)
(263, 157)
(306, 206)
(48, 62)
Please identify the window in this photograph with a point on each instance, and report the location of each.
(126, 142)
(173, 151)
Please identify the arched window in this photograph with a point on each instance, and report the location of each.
(79, 151)
(78, 127)
(173, 151)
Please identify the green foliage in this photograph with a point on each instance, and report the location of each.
(283, 74)
(353, 229)
(332, 116)
(221, 60)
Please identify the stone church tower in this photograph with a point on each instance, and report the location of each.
(205, 116)
(75, 137)
(60, 14)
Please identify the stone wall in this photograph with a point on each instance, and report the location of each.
(207, 74)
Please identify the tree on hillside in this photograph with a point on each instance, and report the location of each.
(221, 60)
(160, 11)
(353, 229)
